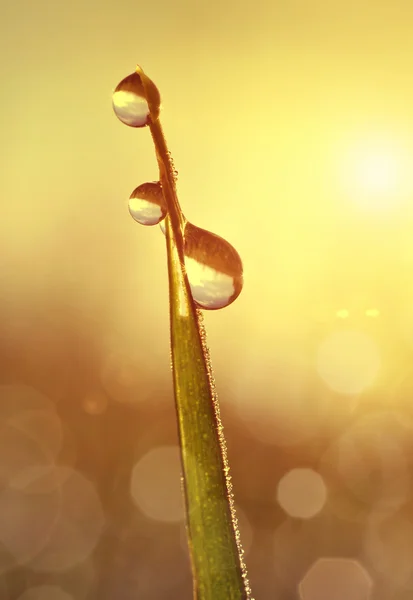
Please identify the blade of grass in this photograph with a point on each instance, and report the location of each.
(214, 543)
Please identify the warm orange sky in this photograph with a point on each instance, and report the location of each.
(269, 110)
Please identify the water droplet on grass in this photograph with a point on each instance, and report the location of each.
(172, 164)
(214, 268)
(147, 204)
(129, 101)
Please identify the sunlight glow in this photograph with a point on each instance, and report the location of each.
(372, 313)
(375, 174)
(45, 592)
(336, 579)
(155, 485)
(348, 361)
(378, 171)
(302, 493)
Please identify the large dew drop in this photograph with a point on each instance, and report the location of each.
(147, 204)
(129, 101)
(213, 267)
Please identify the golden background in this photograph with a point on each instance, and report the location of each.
(291, 126)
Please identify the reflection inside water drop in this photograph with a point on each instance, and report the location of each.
(213, 267)
(129, 101)
(162, 225)
(147, 204)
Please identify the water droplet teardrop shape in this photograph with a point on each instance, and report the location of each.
(129, 101)
(214, 268)
(147, 203)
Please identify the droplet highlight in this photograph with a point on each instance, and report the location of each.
(214, 268)
(147, 204)
(130, 103)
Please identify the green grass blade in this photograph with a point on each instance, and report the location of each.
(214, 550)
(214, 543)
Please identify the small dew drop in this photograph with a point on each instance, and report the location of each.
(173, 169)
(130, 103)
(214, 268)
(147, 204)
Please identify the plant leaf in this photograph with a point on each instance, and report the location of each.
(214, 542)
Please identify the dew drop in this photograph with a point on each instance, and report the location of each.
(172, 165)
(213, 267)
(129, 101)
(147, 204)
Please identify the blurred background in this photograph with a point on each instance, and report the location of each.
(291, 126)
